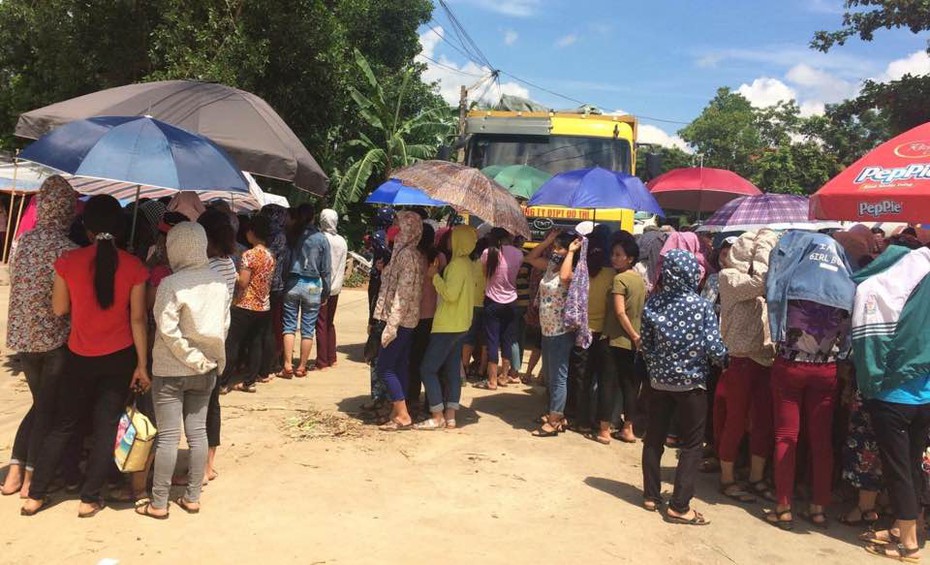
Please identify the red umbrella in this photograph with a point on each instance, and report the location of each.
(699, 189)
(890, 184)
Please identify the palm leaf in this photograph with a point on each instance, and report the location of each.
(356, 178)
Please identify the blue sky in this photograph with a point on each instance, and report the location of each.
(662, 58)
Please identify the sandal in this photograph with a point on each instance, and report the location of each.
(543, 432)
(485, 385)
(45, 501)
(872, 537)
(862, 520)
(597, 438)
(450, 424)
(394, 426)
(786, 525)
(242, 387)
(763, 489)
(651, 505)
(186, 506)
(97, 508)
(735, 491)
(144, 508)
(812, 519)
(300, 373)
(286, 374)
(618, 435)
(897, 552)
(266, 379)
(429, 424)
(697, 520)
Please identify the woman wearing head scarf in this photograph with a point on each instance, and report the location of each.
(103, 289)
(34, 331)
(277, 244)
(859, 244)
(398, 307)
(690, 242)
(452, 319)
(325, 321)
(650, 249)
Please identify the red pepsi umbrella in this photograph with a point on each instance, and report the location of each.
(699, 189)
(890, 184)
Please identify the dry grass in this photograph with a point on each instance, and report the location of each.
(315, 424)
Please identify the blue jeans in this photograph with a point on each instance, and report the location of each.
(444, 353)
(393, 364)
(498, 329)
(302, 295)
(519, 338)
(556, 351)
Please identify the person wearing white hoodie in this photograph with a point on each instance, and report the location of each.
(192, 317)
(325, 321)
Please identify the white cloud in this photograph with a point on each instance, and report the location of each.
(647, 133)
(510, 37)
(916, 64)
(566, 40)
(450, 76)
(766, 91)
(515, 8)
(820, 85)
(786, 56)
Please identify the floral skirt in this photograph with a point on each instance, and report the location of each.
(862, 465)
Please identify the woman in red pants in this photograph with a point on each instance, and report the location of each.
(810, 296)
(744, 391)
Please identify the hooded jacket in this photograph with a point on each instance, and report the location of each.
(398, 302)
(338, 250)
(806, 266)
(744, 322)
(191, 309)
(456, 285)
(679, 328)
(312, 259)
(891, 339)
(32, 326)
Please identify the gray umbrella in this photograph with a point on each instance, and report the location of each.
(240, 122)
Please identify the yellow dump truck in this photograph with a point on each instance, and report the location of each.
(554, 142)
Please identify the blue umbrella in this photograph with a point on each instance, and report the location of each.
(393, 193)
(596, 188)
(138, 150)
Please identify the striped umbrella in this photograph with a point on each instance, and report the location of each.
(467, 190)
(775, 211)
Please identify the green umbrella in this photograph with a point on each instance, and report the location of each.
(491, 171)
(521, 180)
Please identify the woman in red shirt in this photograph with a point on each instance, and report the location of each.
(103, 289)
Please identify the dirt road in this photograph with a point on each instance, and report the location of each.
(485, 493)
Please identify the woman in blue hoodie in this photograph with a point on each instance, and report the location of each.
(680, 339)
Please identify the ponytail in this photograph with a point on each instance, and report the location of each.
(104, 220)
(496, 238)
(105, 263)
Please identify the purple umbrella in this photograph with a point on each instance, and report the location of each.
(776, 211)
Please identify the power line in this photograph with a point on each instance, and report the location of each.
(471, 58)
(461, 31)
(453, 69)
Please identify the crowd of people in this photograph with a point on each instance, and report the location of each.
(165, 306)
(756, 355)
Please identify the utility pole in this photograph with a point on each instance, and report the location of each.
(463, 111)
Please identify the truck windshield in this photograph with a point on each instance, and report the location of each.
(553, 154)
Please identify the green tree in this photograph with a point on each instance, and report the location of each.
(391, 146)
(862, 18)
(669, 158)
(726, 133)
(794, 168)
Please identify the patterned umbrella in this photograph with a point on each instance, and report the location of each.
(468, 191)
(776, 211)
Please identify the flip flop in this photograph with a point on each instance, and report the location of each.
(739, 494)
(809, 518)
(395, 426)
(871, 537)
(485, 385)
(598, 439)
(450, 424)
(185, 506)
(144, 507)
(651, 505)
(786, 525)
(904, 554)
(100, 506)
(45, 504)
(697, 520)
(429, 424)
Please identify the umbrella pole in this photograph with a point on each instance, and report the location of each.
(135, 219)
(9, 222)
